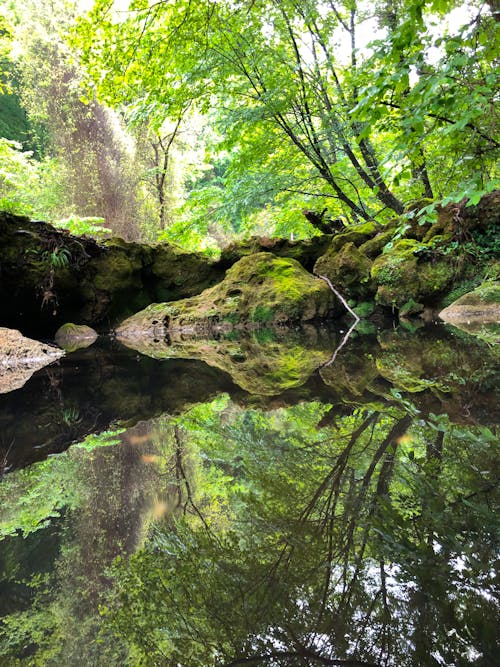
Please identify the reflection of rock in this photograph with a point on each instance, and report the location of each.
(477, 312)
(459, 373)
(258, 290)
(265, 363)
(20, 357)
(72, 337)
(353, 371)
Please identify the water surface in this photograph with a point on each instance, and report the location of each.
(250, 501)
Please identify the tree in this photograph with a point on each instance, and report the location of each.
(369, 127)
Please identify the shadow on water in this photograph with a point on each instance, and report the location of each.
(240, 501)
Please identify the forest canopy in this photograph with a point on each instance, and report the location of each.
(241, 115)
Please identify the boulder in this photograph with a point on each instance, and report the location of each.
(20, 357)
(259, 290)
(348, 270)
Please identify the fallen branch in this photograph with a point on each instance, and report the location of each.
(340, 297)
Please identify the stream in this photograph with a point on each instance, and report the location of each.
(284, 498)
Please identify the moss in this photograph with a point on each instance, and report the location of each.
(395, 274)
(435, 277)
(364, 309)
(356, 235)
(373, 247)
(304, 251)
(262, 314)
(348, 270)
(116, 271)
(487, 293)
(259, 289)
(411, 307)
(73, 337)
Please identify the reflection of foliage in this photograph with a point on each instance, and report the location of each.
(32, 497)
(370, 543)
(280, 544)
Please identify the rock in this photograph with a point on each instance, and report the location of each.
(357, 234)
(305, 251)
(49, 276)
(20, 357)
(482, 305)
(258, 290)
(72, 337)
(395, 274)
(348, 270)
(403, 275)
(477, 312)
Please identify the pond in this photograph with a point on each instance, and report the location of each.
(286, 498)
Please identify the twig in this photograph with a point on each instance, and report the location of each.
(340, 298)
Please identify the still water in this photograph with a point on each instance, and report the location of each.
(282, 499)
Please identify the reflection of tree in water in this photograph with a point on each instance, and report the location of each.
(116, 492)
(367, 543)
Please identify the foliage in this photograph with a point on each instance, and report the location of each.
(90, 226)
(307, 108)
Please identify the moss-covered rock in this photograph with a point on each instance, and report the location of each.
(71, 337)
(49, 277)
(408, 273)
(177, 273)
(348, 270)
(395, 274)
(374, 246)
(357, 235)
(258, 290)
(304, 251)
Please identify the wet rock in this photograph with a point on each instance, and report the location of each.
(72, 337)
(259, 290)
(20, 357)
(482, 305)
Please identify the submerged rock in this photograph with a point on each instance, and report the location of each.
(20, 357)
(72, 337)
(258, 290)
